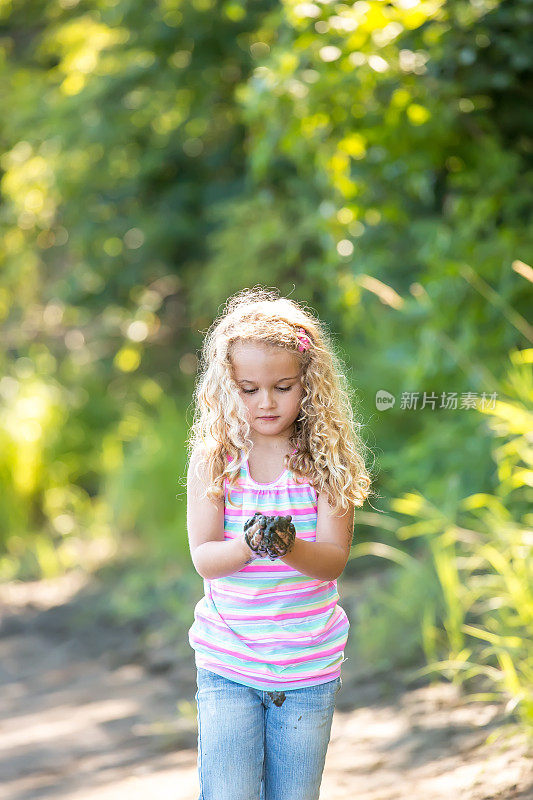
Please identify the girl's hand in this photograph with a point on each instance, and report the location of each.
(270, 536)
(254, 529)
(254, 536)
(281, 535)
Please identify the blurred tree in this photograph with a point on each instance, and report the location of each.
(372, 158)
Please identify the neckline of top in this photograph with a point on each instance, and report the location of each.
(265, 485)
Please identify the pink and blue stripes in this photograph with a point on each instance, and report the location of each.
(267, 625)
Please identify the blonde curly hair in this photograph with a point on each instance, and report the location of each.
(330, 452)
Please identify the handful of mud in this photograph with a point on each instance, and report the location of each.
(273, 538)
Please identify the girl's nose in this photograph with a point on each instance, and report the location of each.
(266, 401)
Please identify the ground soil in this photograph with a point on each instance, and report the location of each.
(92, 712)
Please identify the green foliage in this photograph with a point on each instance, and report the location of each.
(387, 631)
(419, 199)
(147, 492)
(469, 602)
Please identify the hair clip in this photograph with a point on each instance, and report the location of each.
(305, 341)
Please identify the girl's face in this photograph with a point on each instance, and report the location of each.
(269, 385)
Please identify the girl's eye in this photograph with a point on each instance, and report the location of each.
(279, 388)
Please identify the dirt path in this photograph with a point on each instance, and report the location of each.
(86, 713)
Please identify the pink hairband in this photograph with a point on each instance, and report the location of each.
(305, 341)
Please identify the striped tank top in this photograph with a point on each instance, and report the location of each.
(268, 626)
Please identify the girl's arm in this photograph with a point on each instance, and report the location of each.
(218, 559)
(326, 557)
(324, 561)
(212, 556)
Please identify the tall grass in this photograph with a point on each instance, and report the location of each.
(138, 505)
(467, 604)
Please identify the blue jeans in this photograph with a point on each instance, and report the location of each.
(260, 745)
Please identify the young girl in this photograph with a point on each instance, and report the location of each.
(273, 433)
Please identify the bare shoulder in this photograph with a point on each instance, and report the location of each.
(197, 477)
(205, 515)
(196, 459)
